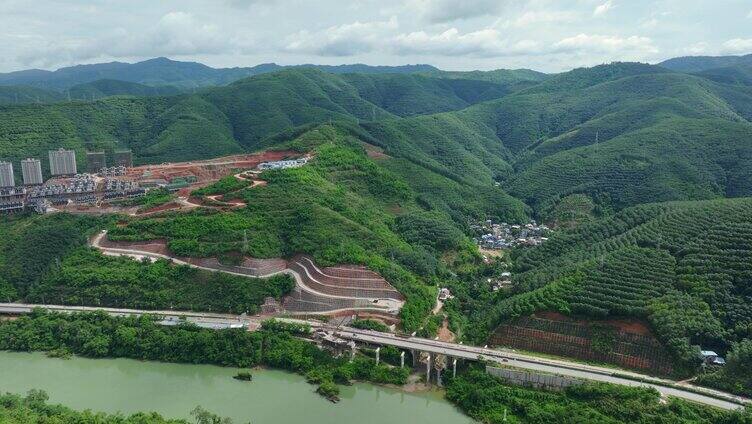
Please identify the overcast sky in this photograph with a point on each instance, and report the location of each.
(546, 35)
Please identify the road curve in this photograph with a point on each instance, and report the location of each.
(385, 305)
(502, 357)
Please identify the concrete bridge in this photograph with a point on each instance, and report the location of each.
(432, 348)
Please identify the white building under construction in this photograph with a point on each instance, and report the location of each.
(6, 175)
(31, 169)
(62, 162)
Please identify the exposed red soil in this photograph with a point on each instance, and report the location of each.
(153, 246)
(445, 334)
(197, 200)
(632, 346)
(625, 325)
(208, 170)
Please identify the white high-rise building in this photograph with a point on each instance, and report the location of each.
(62, 162)
(6, 175)
(31, 169)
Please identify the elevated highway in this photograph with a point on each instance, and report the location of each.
(433, 347)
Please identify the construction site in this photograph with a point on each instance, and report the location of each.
(191, 175)
(103, 190)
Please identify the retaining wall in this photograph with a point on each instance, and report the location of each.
(532, 379)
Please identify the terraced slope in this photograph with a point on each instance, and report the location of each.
(682, 266)
(317, 291)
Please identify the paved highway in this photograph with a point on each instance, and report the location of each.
(533, 363)
(502, 357)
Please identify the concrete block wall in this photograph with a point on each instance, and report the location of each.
(533, 379)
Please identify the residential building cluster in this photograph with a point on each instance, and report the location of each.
(113, 171)
(58, 192)
(66, 184)
(12, 199)
(505, 236)
(504, 281)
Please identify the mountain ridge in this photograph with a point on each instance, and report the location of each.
(164, 71)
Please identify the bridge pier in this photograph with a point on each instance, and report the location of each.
(402, 359)
(454, 367)
(428, 369)
(378, 356)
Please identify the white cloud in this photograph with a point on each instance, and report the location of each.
(697, 48)
(440, 11)
(482, 34)
(749, 16)
(343, 40)
(603, 8)
(382, 36)
(483, 43)
(538, 17)
(176, 33)
(738, 45)
(605, 44)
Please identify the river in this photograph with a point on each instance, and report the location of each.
(173, 390)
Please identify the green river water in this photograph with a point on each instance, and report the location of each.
(125, 385)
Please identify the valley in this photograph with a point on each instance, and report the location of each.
(340, 197)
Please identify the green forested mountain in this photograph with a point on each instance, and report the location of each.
(18, 94)
(702, 63)
(162, 71)
(734, 75)
(407, 95)
(344, 207)
(216, 122)
(623, 133)
(110, 87)
(501, 76)
(225, 120)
